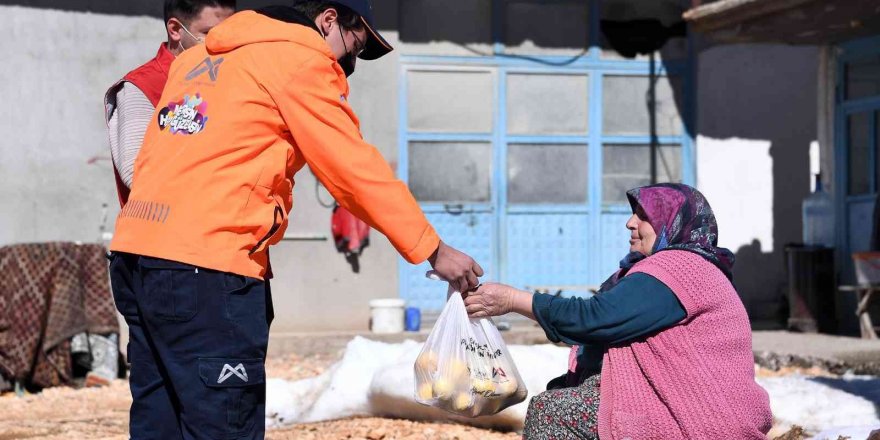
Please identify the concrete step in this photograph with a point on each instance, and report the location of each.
(837, 354)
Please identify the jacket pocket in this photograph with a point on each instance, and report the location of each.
(265, 241)
(245, 299)
(279, 217)
(171, 288)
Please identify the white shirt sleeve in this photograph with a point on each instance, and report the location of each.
(127, 123)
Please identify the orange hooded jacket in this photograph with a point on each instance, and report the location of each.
(239, 116)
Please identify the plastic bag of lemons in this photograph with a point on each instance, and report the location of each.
(464, 367)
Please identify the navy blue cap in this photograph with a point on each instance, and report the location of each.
(375, 46)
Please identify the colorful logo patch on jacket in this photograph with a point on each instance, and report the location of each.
(187, 116)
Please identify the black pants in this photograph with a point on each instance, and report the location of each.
(197, 347)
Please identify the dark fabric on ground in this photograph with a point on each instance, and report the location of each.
(50, 292)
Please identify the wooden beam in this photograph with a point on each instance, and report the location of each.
(726, 13)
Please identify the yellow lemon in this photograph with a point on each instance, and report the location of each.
(507, 388)
(457, 369)
(463, 401)
(484, 386)
(426, 391)
(493, 387)
(427, 362)
(442, 388)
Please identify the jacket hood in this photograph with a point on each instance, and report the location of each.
(250, 27)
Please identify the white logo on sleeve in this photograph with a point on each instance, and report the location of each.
(229, 371)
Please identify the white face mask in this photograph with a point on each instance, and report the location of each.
(199, 40)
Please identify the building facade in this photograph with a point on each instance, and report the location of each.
(847, 86)
(518, 125)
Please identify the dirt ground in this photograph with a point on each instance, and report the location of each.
(102, 413)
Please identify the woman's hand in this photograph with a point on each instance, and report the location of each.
(493, 299)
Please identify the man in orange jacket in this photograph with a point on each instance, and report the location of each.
(239, 116)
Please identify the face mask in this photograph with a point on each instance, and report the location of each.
(347, 64)
(198, 39)
(347, 61)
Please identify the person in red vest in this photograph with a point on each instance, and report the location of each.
(129, 104)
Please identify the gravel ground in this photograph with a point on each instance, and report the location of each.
(102, 413)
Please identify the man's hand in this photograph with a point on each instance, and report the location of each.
(456, 267)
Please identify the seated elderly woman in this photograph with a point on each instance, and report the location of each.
(663, 351)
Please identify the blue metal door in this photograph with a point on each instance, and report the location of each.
(521, 157)
(857, 128)
(528, 174)
(447, 154)
(545, 176)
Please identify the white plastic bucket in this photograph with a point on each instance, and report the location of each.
(387, 315)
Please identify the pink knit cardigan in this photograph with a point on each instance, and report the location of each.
(695, 380)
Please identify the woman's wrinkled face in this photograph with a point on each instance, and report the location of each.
(641, 233)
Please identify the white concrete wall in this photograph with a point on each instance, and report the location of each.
(736, 176)
(56, 67)
(756, 119)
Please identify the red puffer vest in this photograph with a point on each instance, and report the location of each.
(150, 78)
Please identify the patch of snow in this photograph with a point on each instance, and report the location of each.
(820, 404)
(377, 379)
